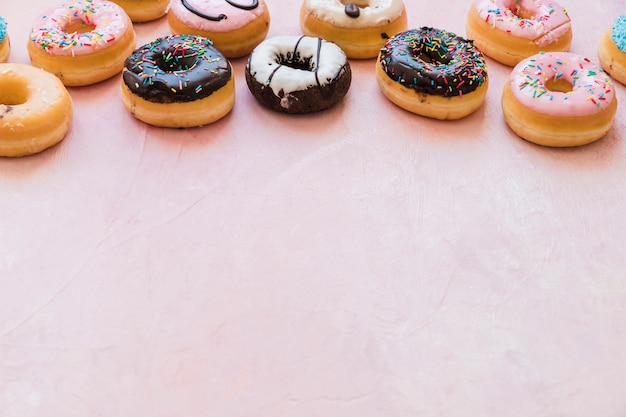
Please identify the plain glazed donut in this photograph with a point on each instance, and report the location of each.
(143, 10)
(298, 74)
(559, 99)
(178, 81)
(612, 50)
(82, 41)
(5, 47)
(512, 30)
(234, 27)
(433, 73)
(35, 110)
(359, 27)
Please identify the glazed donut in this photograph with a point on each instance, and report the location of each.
(612, 50)
(143, 10)
(82, 41)
(511, 30)
(178, 81)
(359, 27)
(5, 47)
(559, 99)
(234, 27)
(298, 74)
(35, 110)
(433, 73)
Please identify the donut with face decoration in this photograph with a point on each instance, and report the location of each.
(359, 27)
(235, 27)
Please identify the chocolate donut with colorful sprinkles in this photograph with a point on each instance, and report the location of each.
(178, 81)
(433, 73)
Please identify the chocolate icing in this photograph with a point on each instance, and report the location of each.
(434, 61)
(251, 6)
(179, 68)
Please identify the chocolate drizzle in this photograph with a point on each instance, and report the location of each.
(179, 68)
(434, 61)
(251, 6)
(221, 16)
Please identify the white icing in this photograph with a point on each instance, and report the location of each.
(264, 63)
(372, 12)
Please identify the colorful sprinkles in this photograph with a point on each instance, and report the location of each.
(3, 29)
(106, 20)
(434, 61)
(619, 32)
(177, 68)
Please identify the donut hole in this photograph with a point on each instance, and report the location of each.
(558, 85)
(13, 92)
(295, 62)
(169, 62)
(520, 11)
(360, 3)
(436, 56)
(78, 26)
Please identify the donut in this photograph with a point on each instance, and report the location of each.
(559, 99)
(512, 30)
(298, 74)
(5, 47)
(178, 81)
(612, 50)
(35, 110)
(143, 10)
(82, 41)
(234, 27)
(359, 27)
(433, 73)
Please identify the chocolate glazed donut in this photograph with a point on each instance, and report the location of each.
(433, 61)
(174, 69)
(298, 74)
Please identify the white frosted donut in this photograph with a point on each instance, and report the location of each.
(298, 74)
(359, 27)
(371, 12)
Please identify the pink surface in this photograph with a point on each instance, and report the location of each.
(359, 262)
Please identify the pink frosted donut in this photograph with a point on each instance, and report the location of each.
(234, 26)
(559, 99)
(511, 30)
(82, 41)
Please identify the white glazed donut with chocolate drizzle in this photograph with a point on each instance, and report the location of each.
(298, 74)
(234, 26)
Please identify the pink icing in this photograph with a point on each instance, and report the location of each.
(110, 22)
(549, 20)
(235, 17)
(591, 93)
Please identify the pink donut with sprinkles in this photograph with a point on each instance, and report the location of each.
(512, 30)
(559, 99)
(82, 41)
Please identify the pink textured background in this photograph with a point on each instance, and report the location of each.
(358, 262)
